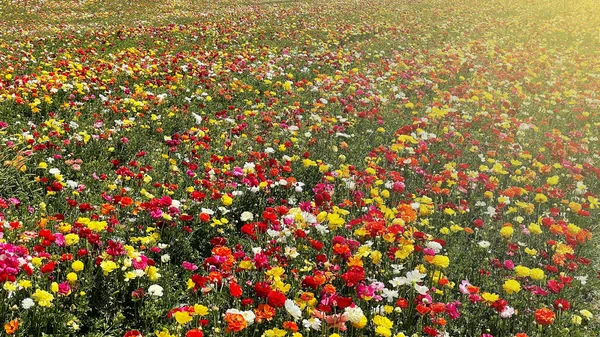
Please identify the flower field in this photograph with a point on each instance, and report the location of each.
(299, 168)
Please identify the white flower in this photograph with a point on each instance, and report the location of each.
(484, 244)
(273, 233)
(165, 258)
(491, 211)
(293, 309)
(54, 171)
(313, 323)
(582, 279)
(155, 290)
(415, 276)
(197, 117)
(397, 268)
(435, 246)
(353, 314)
(389, 294)
(248, 315)
(321, 229)
(291, 252)
(507, 312)
(421, 289)
(27, 303)
(247, 216)
(207, 211)
(72, 184)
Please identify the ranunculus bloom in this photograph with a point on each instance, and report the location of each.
(544, 316)
(194, 333)
(276, 299)
(235, 322)
(562, 304)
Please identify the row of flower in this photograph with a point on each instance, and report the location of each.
(292, 170)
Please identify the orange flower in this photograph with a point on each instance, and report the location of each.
(407, 213)
(221, 251)
(329, 289)
(307, 296)
(544, 316)
(235, 322)
(264, 311)
(11, 327)
(107, 209)
(126, 201)
(293, 327)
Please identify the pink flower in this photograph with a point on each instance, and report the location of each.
(189, 266)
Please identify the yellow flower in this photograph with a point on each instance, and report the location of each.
(441, 261)
(275, 332)
(182, 317)
(586, 314)
(43, 298)
(71, 239)
(201, 310)
(77, 266)
(512, 286)
(36, 261)
(535, 228)
(522, 271)
(164, 333)
(360, 324)
(10, 286)
(108, 266)
(383, 331)
(530, 252)
(246, 264)
(552, 180)
(376, 257)
(54, 287)
(507, 231)
(540, 198)
(383, 321)
(537, 274)
(26, 284)
(71, 277)
(152, 273)
(97, 226)
(489, 297)
(404, 251)
(226, 200)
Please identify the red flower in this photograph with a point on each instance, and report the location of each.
(562, 304)
(276, 299)
(133, 333)
(402, 303)
(430, 331)
(544, 316)
(353, 276)
(235, 290)
(48, 267)
(194, 333)
(262, 289)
